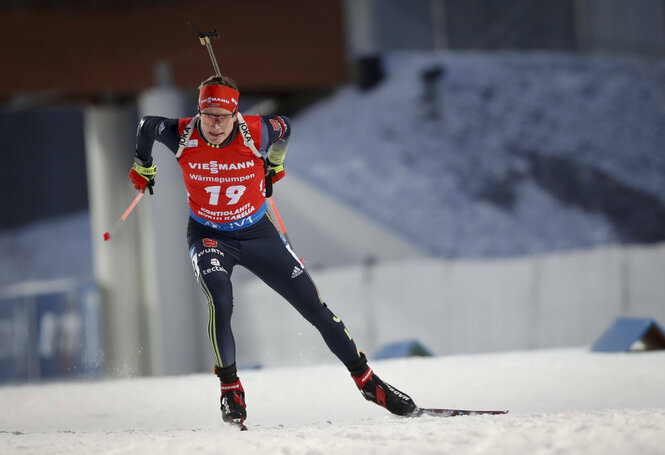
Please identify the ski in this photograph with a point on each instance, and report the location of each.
(438, 412)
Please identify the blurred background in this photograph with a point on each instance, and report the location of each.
(474, 175)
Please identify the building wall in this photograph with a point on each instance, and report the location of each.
(608, 26)
(43, 165)
(453, 307)
(621, 26)
(111, 51)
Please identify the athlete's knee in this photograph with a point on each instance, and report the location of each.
(318, 314)
(216, 285)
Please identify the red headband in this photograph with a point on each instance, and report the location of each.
(218, 96)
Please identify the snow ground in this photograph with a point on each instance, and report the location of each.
(560, 401)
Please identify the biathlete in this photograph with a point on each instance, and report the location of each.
(228, 162)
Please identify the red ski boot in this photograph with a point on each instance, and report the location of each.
(380, 392)
(232, 400)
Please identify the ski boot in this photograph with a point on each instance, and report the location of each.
(378, 391)
(232, 400)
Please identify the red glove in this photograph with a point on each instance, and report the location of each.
(276, 171)
(143, 177)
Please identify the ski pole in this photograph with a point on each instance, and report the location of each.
(204, 37)
(109, 235)
(279, 220)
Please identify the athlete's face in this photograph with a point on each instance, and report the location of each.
(217, 124)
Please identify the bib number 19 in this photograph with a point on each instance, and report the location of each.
(234, 193)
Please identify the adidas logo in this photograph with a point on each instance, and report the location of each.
(296, 271)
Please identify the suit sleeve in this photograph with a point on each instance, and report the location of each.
(275, 130)
(151, 129)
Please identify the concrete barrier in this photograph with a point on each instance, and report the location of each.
(463, 306)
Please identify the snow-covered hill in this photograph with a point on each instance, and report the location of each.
(561, 401)
(501, 155)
